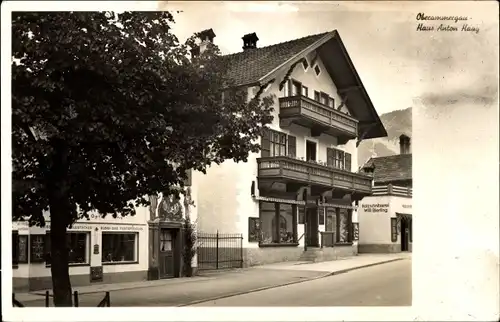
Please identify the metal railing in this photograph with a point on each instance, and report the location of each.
(313, 172)
(392, 190)
(105, 302)
(219, 251)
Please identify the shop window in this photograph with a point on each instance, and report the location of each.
(78, 248)
(122, 247)
(278, 223)
(394, 230)
(38, 248)
(331, 220)
(19, 248)
(344, 226)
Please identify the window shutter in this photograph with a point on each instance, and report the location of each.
(329, 157)
(292, 146)
(348, 161)
(265, 143)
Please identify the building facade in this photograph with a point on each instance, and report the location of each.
(301, 189)
(101, 250)
(385, 218)
(146, 246)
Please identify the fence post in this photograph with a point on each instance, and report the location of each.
(46, 298)
(108, 299)
(217, 250)
(241, 250)
(75, 296)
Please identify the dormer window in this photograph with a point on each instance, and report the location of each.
(317, 70)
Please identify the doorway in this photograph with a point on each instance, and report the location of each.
(167, 247)
(405, 234)
(311, 151)
(312, 239)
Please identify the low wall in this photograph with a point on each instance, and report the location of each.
(381, 248)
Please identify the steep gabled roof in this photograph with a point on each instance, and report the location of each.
(249, 66)
(259, 65)
(391, 168)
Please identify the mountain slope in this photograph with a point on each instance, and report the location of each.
(396, 123)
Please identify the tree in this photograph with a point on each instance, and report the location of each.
(108, 109)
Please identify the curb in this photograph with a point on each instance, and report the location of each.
(288, 283)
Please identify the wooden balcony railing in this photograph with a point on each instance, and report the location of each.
(308, 112)
(392, 191)
(287, 168)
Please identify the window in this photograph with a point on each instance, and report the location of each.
(296, 88)
(317, 96)
(122, 247)
(344, 226)
(305, 91)
(331, 220)
(278, 223)
(325, 99)
(78, 248)
(310, 150)
(38, 248)
(19, 248)
(274, 143)
(321, 215)
(165, 241)
(394, 230)
(317, 70)
(338, 159)
(331, 102)
(305, 64)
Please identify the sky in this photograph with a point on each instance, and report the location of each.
(399, 66)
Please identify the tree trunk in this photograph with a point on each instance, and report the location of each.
(61, 284)
(61, 214)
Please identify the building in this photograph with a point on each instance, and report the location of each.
(385, 218)
(108, 250)
(300, 190)
(105, 250)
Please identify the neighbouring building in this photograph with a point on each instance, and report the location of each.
(108, 250)
(385, 218)
(302, 188)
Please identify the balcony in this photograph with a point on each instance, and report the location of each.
(289, 170)
(391, 190)
(319, 118)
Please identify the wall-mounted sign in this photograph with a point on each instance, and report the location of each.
(96, 249)
(406, 206)
(122, 228)
(376, 207)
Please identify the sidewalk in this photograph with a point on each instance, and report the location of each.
(189, 291)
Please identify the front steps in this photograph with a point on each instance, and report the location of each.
(317, 254)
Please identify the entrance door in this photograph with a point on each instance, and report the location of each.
(312, 227)
(404, 234)
(167, 246)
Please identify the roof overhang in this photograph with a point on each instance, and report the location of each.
(339, 65)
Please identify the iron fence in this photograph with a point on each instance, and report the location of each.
(105, 302)
(219, 251)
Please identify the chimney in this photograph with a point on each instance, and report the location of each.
(404, 144)
(250, 41)
(205, 37)
(369, 170)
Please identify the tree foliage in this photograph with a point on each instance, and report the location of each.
(109, 108)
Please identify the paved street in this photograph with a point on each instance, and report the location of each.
(382, 285)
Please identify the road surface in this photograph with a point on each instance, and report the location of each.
(382, 285)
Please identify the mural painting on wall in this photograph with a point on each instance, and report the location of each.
(168, 209)
(355, 231)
